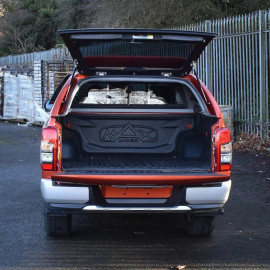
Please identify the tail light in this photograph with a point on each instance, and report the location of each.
(223, 149)
(48, 149)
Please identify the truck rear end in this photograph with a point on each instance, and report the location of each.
(125, 143)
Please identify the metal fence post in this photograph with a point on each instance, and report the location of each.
(262, 85)
(208, 64)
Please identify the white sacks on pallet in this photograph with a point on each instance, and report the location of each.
(19, 99)
(10, 110)
(120, 96)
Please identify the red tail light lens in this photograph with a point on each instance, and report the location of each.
(223, 149)
(48, 149)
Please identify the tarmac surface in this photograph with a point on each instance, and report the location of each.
(241, 239)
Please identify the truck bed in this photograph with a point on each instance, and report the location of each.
(169, 148)
(136, 164)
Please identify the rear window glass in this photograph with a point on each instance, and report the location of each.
(165, 48)
(130, 94)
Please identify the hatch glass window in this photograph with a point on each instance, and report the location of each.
(130, 94)
(164, 48)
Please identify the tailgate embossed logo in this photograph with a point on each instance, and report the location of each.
(128, 134)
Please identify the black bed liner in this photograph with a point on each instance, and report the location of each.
(137, 145)
(136, 164)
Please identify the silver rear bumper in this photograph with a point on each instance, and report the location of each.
(94, 208)
(63, 194)
(78, 197)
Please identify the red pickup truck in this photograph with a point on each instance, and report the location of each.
(133, 129)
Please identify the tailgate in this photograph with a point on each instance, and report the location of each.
(139, 179)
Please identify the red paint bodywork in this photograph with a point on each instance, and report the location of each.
(136, 192)
(213, 105)
(142, 179)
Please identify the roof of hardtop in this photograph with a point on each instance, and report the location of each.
(135, 30)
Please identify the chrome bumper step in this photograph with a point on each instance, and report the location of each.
(94, 208)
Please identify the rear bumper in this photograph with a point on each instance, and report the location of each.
(80, 199)
(99, 209)
(63, 194)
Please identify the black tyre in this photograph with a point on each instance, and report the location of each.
(57, 225)
(200, 225)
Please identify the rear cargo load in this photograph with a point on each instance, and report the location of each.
(136, 127)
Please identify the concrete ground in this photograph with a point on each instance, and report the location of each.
(241, 239)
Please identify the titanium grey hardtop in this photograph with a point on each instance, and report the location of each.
(135, 51)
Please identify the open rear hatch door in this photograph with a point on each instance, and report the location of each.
(135, 51)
